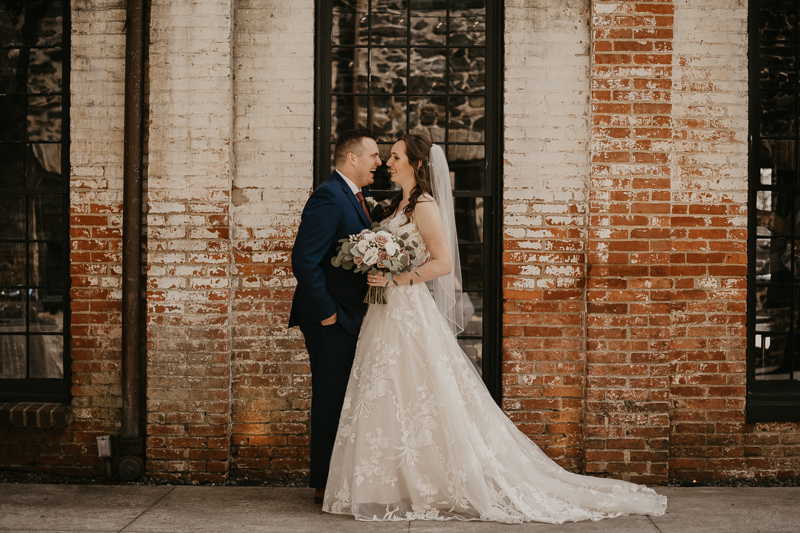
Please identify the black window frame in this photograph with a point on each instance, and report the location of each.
(491, 362)
(766, 400)
(53, 390)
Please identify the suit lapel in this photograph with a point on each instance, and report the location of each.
(353, 200)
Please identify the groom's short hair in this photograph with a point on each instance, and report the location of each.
(349, 142)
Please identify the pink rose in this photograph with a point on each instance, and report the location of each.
(383, 255)
(357, 260)
(380, 240)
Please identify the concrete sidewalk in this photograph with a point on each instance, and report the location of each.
(141, 508)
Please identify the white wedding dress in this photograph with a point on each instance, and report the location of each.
(420, 437)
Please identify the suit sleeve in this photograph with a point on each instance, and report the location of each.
(314, 236)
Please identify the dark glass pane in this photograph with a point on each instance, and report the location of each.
(774, 261)
(350, 23)
(12, 217)
(12, 357)
(12, 166)
(474, 350)
(774, 213)
(12, 264)
(44, 165)
(467, 70)
(390, 28)
(44, 71)
(349, 70)
(347, 112)
(427, 70)
(12, 71)
(44, 23)
(388, 117)
(12, 22)
(382, 178)
(388, 70)
(468, 165)
(429, 27)
(778, 66)
(777, 19)
(12, 314)
(46, 356)
(467, 119)
(12, 109)
(467, 27)
(776, 357)
(778, 114)
(469, 218)
(44, 118)
(471, 266)
(427, 117)
(389, 6)
(46, 310)
(778, 162)
(45, 218)
(473, 313)
(46, 264)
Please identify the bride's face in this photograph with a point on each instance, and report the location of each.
(400, 168)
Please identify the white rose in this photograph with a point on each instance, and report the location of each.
(391, 248)
(386, 234)
(362, 246)
(369, 236)
(370, 257)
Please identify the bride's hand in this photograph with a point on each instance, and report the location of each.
(380, 280)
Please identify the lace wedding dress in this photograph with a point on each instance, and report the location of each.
(420, 437)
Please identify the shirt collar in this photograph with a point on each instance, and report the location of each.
(353, 186)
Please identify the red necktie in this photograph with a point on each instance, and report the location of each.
(364, 205)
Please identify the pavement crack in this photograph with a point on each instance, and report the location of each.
(654, 524)
(146, 510)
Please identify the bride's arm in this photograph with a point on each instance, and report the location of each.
(429, 224)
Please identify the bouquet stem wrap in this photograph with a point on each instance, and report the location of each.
(375, 295)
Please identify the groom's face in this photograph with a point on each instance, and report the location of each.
(367, 163)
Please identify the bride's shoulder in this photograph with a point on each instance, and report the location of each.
(425, 198)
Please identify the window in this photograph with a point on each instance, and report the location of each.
(431, 67)
(34, 200)
(773, 363)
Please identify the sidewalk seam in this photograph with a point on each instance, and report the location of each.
(146, 510)
(654, 524)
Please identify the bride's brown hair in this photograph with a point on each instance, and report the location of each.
(418, 150)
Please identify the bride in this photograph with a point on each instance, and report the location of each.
(420, 437)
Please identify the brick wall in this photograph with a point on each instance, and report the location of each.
(274, 120)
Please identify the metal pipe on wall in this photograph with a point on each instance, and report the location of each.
(128, 461)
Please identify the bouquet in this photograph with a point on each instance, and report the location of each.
(375, 250)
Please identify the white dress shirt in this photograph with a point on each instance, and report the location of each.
(353, 186)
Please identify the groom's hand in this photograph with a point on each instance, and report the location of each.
(331, 320)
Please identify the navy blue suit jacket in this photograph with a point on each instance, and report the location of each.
(331, 213)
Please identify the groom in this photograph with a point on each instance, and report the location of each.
(328, 301)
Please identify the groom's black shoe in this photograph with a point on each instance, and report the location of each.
(319, 495)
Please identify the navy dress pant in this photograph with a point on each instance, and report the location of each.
(330, 350)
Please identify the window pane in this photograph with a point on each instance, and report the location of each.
(46, 310)
(44, 23)
(12, 314)
(469, 218)
(12, 164)
(777, 358)
(347, 112)
(473, 313)
(471, 266)
(12, 264)
(778, 114)
(778, 162)
(349, 70)
(12, 21)
(44, 165)
(427, 70)
(350, 22)
(389, 28)
(467, 119)
(777, 20)
(388, 70)
(12, 217)
(429, 27)
(382, 177)
(44, 70)
(388, 117)
(44, 118)
(474, 350)
(45, 218)
(778, 66)
(12, 357)
(47, 356)
(12, 109)
(467, 27)
(468, 165)
(12, 72)
(46, 264)
(427, 117)
(467, 70)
